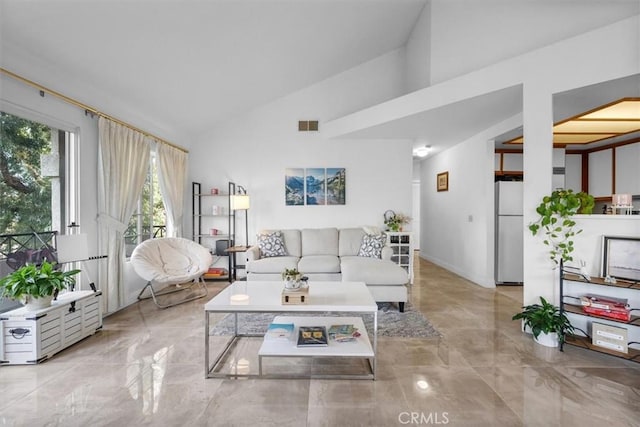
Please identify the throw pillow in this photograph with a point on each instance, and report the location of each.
(271, 244)
(372, 245)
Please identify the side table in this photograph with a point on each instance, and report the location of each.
(232, 251)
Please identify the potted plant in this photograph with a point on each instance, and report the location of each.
(556, 212)
(291, 277)
(548, 325)
(34, 285)
(394, 221)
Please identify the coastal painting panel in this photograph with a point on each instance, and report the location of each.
(336, 186)
(294, 187)
(315, 186)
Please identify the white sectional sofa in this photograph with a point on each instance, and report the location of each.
(331, 254)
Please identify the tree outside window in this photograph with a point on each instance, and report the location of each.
(25, 193)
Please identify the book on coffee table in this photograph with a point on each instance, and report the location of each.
(343, 333)
(279, 331)
(312, 336)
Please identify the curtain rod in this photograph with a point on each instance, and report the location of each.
(86, 107)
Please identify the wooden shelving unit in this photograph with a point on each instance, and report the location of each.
(633, 354)
(221, 221)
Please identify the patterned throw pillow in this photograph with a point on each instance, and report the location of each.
(372, 245)
(271, 244)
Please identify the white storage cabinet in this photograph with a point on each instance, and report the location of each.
(29, 337)
(402, 245)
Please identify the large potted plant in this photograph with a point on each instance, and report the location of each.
(35, 285)
(547, 324)
(556, 221)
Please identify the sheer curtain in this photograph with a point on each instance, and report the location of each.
(123, 160)
(172, 175)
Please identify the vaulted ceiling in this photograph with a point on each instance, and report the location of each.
(190, 64)
(179, 67)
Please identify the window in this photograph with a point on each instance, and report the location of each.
(37, 176)
(38, 184)
(149, 220)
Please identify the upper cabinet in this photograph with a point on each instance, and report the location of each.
(573, 172)
(628, 169)
(601, 173)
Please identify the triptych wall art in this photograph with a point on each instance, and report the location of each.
(314, 186)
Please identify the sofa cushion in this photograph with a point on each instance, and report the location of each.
(350, 241)
(273, 264)
(319, 264)
(291, 240)
(320, 241)
(372, 271)
(372, 245)
(272, 244)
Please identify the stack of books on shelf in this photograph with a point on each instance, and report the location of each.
(215, 273)
(606, 306)
(279, 331)
(312, 336)
(343, 333)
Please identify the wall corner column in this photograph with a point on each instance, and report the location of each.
(538, 171)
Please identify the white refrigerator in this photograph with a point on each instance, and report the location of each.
(509, 232)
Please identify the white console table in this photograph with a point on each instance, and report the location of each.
(29, 337)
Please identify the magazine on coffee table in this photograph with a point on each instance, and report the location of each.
(312, 336)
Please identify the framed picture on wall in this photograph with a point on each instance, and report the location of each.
(621, 257)
(315, 186)
(442, 181)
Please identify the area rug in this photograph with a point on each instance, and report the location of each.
(391, 323)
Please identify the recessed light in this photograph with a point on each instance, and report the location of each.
(422, 151)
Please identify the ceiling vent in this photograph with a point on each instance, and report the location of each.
(308, 126)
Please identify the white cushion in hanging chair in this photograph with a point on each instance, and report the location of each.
(170, 260)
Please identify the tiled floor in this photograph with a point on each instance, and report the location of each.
(146, 368)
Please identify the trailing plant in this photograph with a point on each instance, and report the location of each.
(556, 212)
(545, 318)
(36, 281)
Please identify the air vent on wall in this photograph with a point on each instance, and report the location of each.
(307, 125)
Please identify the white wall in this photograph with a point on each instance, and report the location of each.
(457, 226)
(255, 149)
(418, 52)
(468, 35)
(441, 240)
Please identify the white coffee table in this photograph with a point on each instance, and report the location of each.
(265, 297)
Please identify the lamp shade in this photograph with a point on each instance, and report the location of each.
(240, 202)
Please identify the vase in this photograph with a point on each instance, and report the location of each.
(34, 304)
(547, 340)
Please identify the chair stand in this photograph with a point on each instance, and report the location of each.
(173, 289)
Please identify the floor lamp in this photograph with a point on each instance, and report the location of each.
(241, 202)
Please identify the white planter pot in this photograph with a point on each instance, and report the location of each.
(547, 340)
(34, 304)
